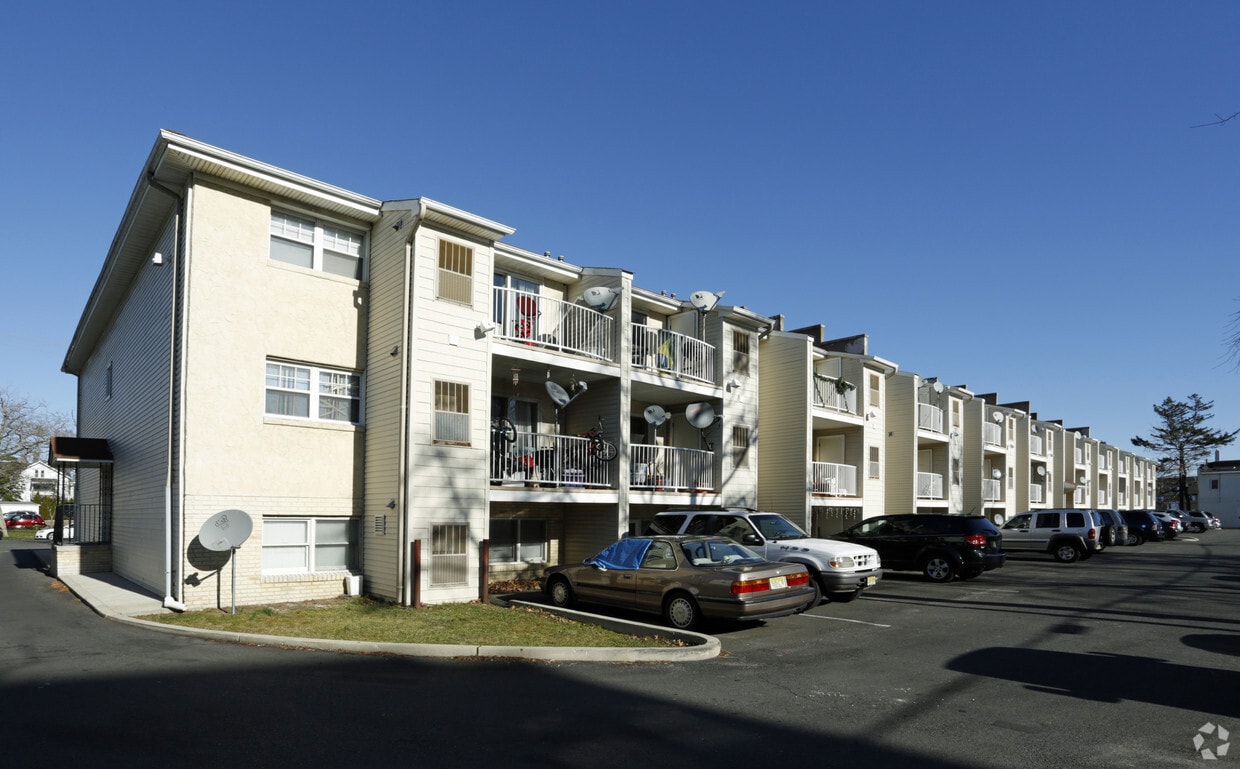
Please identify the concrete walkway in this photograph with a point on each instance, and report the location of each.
(117, 599)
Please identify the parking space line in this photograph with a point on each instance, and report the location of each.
(842, 619)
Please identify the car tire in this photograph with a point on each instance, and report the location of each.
(1067, 553)
(817, 599)
(681, 611)
(1134, 539)
(561, 593)
(937, 567)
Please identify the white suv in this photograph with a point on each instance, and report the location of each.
(841, 570)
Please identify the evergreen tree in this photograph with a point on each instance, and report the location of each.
(1182, 440)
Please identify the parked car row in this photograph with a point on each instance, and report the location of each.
(23, 520)
(743, 564)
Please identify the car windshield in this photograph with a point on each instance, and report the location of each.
(777, 527)
(718, 552)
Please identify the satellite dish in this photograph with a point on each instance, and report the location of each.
(655, 415)
(705, 301)
(1041, 471)
(558, 394)
(701, 415)
(1083, 479)
(938, 387)
(601, 298)
(997, 416)
(996, 473)
(225, 530)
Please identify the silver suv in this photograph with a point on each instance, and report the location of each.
(1069, 535)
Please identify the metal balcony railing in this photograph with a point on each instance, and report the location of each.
(672, 469)
(1036, 494)
(85, 524)
(992, 490)
(1037, 446)
(541, 321)
(929, 485)
(657, 349)
(827, 395)
(992, 434)
(929, 417)
(545, 459)
(834, 479)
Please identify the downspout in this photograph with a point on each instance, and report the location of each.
(403, 559)
(171, 602)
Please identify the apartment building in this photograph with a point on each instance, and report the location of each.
(388, 396)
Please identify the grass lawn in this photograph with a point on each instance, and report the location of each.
(365, 619)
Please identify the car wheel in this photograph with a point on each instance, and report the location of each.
(1134, 539)
(680, 611)
(938, 568)
(562, 593)
(1198, 528)
(817, 599)
(1067, 553)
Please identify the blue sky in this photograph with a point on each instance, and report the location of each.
(1008, 196)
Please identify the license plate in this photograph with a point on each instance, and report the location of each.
(779, 583)
(871, 581)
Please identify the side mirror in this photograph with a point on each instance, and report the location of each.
(751, 539)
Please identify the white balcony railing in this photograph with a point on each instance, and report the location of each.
(672, 469)
(658, 349)
(992, 434)
(1037, 446)
(992, 490)
(929, 417)
(827, 395)
(1036, 494)
(929, 485)
(541, 321)
(834, 479)
(545, 459)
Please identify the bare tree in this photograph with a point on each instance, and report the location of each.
(26, 427)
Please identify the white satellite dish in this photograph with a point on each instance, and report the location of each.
(705, 301)
(996, 473)
(938, 387)
(226, 530)
(701, 415)
(655, 415)
(997, 416)
(558, 394)
(1082, 479)
(601, 298)
(1041, 472)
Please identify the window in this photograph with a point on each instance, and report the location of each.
(449, 556)
(315, 246)
(451, 413)
(517, 540)
(1213, 483)
(874, 462)
(874, 399)
(309, 392)
(456, 273)
(309, 545)
(740, 352)
(740, 446)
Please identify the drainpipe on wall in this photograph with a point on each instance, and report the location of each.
(170, 601)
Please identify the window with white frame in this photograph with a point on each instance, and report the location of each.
(309, 545)
(740, 352)
(311, 392)
(451, 422)
(518, 540)
(449, 554)
(456, 273)
(315, 245)
(740, 446)
(875, 400)
(875, 465)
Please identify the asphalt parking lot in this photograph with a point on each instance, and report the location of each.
(1115, 661)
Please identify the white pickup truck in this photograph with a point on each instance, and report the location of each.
(841, 570)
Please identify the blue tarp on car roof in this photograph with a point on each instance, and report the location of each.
(625, 554)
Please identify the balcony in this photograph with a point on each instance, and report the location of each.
(829, 395)
(834, 480)
(1037, 446)
(540, 321)
(930, 485)
(1036, 494)
(992, 490)
(549, 460)
(992, 434)
(657, 349)
(929, 418)
(672, 469)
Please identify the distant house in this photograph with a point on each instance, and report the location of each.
(38, 480)
(1218, 490)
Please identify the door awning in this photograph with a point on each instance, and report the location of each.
(80, 451)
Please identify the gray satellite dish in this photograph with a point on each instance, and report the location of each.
(938, 387)
(558, 394)
(226, 530)
(997, 416)
(996, 473)
(601, 298)
(1041, 472)
(705, 301)
(700, 415)
(655, 415)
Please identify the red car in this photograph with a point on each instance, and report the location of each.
(24, 521)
